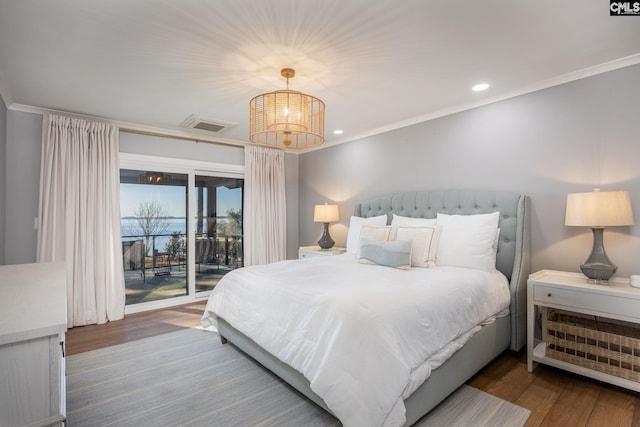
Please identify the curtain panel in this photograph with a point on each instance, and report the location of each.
(264, 206)
(79, 215)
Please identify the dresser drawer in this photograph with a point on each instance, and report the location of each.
(581, 300)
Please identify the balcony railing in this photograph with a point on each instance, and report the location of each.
(222, 250)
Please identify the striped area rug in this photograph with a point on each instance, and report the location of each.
(187, 378)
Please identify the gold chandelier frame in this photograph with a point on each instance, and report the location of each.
(286, 118)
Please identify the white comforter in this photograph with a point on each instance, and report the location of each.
(365, 336)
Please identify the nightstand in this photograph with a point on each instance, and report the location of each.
(571, 293)
(311, 251)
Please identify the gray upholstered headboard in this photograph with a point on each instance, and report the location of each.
(514, 253)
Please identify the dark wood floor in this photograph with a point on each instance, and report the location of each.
(554, 397)
(134, 327)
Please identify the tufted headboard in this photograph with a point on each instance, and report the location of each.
(514, 254)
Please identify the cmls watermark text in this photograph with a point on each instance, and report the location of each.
(621, 8)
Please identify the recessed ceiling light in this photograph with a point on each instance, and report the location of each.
(480, 86)
(337, 132)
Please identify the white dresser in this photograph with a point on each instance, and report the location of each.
(33, 322)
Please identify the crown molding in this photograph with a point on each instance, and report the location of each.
(544, 84)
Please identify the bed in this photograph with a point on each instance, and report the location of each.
(488, 340)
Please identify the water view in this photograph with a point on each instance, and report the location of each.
(154, 233)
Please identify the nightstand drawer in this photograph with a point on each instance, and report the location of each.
(581, 300)
(314, 251)
(305, 254)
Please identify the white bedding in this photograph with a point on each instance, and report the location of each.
(365, 336)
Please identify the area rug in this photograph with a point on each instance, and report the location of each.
(187, 378)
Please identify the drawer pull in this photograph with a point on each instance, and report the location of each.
(549, 295)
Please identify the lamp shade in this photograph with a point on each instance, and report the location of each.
(326, 213)
(599, 209)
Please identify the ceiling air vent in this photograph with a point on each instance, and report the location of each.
(207, 125)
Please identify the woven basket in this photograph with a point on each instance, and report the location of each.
(600, 345)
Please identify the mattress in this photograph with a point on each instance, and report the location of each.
(365, 336)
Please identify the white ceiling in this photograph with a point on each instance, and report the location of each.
(376, 64)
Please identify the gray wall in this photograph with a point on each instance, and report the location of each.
(3, 170)
(19, 206)
(291, 190)
(569, 138)
(24, 136)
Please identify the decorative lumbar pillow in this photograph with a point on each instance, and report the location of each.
(396, 253)
(425, 243)
(468, 240)
(380, 234)
(355, 225)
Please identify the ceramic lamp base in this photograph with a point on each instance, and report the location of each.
(326, 242)
(598, 267)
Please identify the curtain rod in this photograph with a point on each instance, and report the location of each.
(185, 138)
(123, 126)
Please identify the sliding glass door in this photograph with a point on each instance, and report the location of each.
(218, 228)
(153, 207)
(181, 228)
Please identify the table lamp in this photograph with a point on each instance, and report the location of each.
(326, 213)
(599, 210)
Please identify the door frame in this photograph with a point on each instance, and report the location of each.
(191, 168)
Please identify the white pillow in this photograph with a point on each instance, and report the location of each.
(355, 224)
(468, 240)
(406, 221)
(424, 245)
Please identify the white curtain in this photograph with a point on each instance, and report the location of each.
(264, 206)
(79, 215)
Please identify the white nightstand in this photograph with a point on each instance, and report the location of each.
(570, 292)
(311, 251)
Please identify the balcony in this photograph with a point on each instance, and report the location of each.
(161, 270)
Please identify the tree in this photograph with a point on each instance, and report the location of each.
(233, 226)
(152, 220)
(232, 230)
(175, 245)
